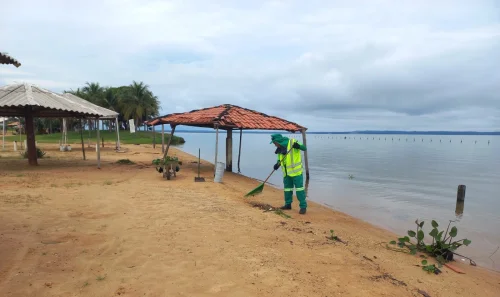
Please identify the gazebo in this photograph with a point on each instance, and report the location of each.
(105, 114)
(6, 59)
(229, 117)
(29, 101)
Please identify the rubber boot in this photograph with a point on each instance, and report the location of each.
(286, 207)
(302, 211)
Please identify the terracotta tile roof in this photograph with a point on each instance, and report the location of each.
(227, 116)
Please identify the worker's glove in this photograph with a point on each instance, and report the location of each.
(276, 166)
(296, 145)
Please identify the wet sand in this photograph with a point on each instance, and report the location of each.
(70, 229)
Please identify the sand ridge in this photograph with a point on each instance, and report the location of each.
(69, 229)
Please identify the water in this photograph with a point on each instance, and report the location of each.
(395, 179)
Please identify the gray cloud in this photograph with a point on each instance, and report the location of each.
(329, 65)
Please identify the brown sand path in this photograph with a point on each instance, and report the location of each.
(69, 229)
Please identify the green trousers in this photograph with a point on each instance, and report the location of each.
(289, 183)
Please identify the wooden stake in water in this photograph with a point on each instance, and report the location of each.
(461, 193)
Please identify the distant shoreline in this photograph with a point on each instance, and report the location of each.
(355, 132)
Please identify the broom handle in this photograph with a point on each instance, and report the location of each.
(274, 169)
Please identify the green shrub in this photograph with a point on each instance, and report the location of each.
(39, 153)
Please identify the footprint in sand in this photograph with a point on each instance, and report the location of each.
(218, 287)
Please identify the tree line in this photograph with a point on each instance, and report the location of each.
(135, 101)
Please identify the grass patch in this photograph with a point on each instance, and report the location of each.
(281, 213)
(126, 137)
(100, 277)
(125, 162)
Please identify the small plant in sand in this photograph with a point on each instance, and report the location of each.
(168, 160)
(442, 248)
(125, 162)
(39, 153)
(335, 237)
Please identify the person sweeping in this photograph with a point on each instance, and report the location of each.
(291, 165)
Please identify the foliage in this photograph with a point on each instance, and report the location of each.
(333, 236)
(125, 162)
(125, 137)
(168, 160)
(39, 153)
(442, 247)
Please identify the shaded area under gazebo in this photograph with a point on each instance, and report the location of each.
(228, 117)
(31, 101)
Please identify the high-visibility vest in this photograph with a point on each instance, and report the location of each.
(292, 165)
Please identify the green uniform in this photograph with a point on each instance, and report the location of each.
(292, 169)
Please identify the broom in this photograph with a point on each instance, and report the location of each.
(260, 188)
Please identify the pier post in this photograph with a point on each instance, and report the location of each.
(461, 193)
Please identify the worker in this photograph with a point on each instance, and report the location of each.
(291, 165)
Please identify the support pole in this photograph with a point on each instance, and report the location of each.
(168, 146)
(81, 136)
(154, 136)
(88, 124)
(117, 134)
(162, 138)
(3, 135)
(304, 140)
(461, 193)
(216, 145)
(239, 151)
(30, 137)
(229, 150)
(98, 147)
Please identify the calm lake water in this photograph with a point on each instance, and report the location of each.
(395, 179)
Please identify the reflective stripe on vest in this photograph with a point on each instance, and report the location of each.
(292, 168)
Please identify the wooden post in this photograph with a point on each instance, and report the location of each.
(168, 145)
(459, 208)
(239, 151)
(304, 140)
(461, 193)
(162, 138)
(102, 143)
(3, 135)
(98, 148)
(81, 136)
(88, 124)
(30, 136)
(117, 133)
(154, 136)
(229, 150)
(216, 145)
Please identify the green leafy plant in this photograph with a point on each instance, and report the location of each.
(125, 162)
(39, 153)
(443, 244)
(168, 160)
(333, 236)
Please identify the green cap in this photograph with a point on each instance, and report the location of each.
(280, 139)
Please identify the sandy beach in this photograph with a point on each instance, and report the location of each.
(70, 229)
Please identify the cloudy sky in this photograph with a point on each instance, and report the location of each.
(328, 65)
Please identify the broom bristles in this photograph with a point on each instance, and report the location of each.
(255, 191)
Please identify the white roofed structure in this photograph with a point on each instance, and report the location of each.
(29, 101)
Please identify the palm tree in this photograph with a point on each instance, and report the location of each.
(138, 102)
(93, 93)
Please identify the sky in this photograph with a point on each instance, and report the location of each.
(327, 65)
